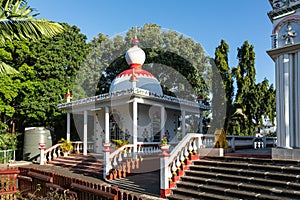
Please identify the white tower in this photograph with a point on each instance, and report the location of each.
(285, 52)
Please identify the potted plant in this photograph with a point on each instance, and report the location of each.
(66, 146)
(120, 143)
(164, 146)
(164, 141)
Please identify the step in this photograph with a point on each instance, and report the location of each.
(242, 165)
(180, 194)
(254, 160)
(268, 190)
(249, 155)
(246, 172)
(228, 192)
(126, 184)
(255, 180)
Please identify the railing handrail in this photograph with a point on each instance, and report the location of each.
(52, 148)
(148, 143)
(7, 150)
(187, 138)
(80, 142)
(118, 150)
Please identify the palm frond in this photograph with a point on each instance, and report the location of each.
(6, 69)
(18, 22)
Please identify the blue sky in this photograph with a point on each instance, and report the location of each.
(207, 22)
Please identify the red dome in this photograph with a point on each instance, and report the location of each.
(138, 72)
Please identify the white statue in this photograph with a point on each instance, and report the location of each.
(289, 35)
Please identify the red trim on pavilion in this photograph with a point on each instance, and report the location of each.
(138, 72)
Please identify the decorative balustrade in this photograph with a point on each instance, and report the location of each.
(47, 155)
(78, 146)
(50, 154)
(122, 161)
(249, 142)
(131, 91)
(172, 165)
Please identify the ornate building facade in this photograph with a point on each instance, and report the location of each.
(285, 52)
(134, 110)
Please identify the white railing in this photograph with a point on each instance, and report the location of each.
(50, 154)
(123, 160)
(172, 165)
(7, 156)
(250, 142)
(130, 91)
(47, 155)
(78, 146)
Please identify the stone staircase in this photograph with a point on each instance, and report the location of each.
(239, 178)
(90, 165)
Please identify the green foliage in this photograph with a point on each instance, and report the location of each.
(8, 141)
(165, 50)
(47, 70)
(17, 20)
(253, 100)
(164, 140)
(66, 146)
(120, 143)
(222, 88)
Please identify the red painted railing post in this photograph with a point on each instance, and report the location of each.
(164, 182)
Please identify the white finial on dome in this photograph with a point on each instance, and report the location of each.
(135, 56)
(136, 77)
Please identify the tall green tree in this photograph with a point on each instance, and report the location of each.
(47, 69)
(244, 74)
(18, 21)
(253, 100)
(222, 88)
(262, 101)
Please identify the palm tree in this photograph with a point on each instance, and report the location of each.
(17, 21)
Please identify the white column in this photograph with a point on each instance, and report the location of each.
(162, 121)
(297, 101)
(106, 118)
(85, 118)
(183, 125)
(286, 89)
(278, 101)
(107, 161)
(134, 124)
(291, 100)
(164, 172)
(68, 126)
(97, 134)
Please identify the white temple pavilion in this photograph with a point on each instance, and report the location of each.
(135, 109)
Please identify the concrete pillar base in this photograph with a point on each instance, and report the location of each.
(285, 154)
